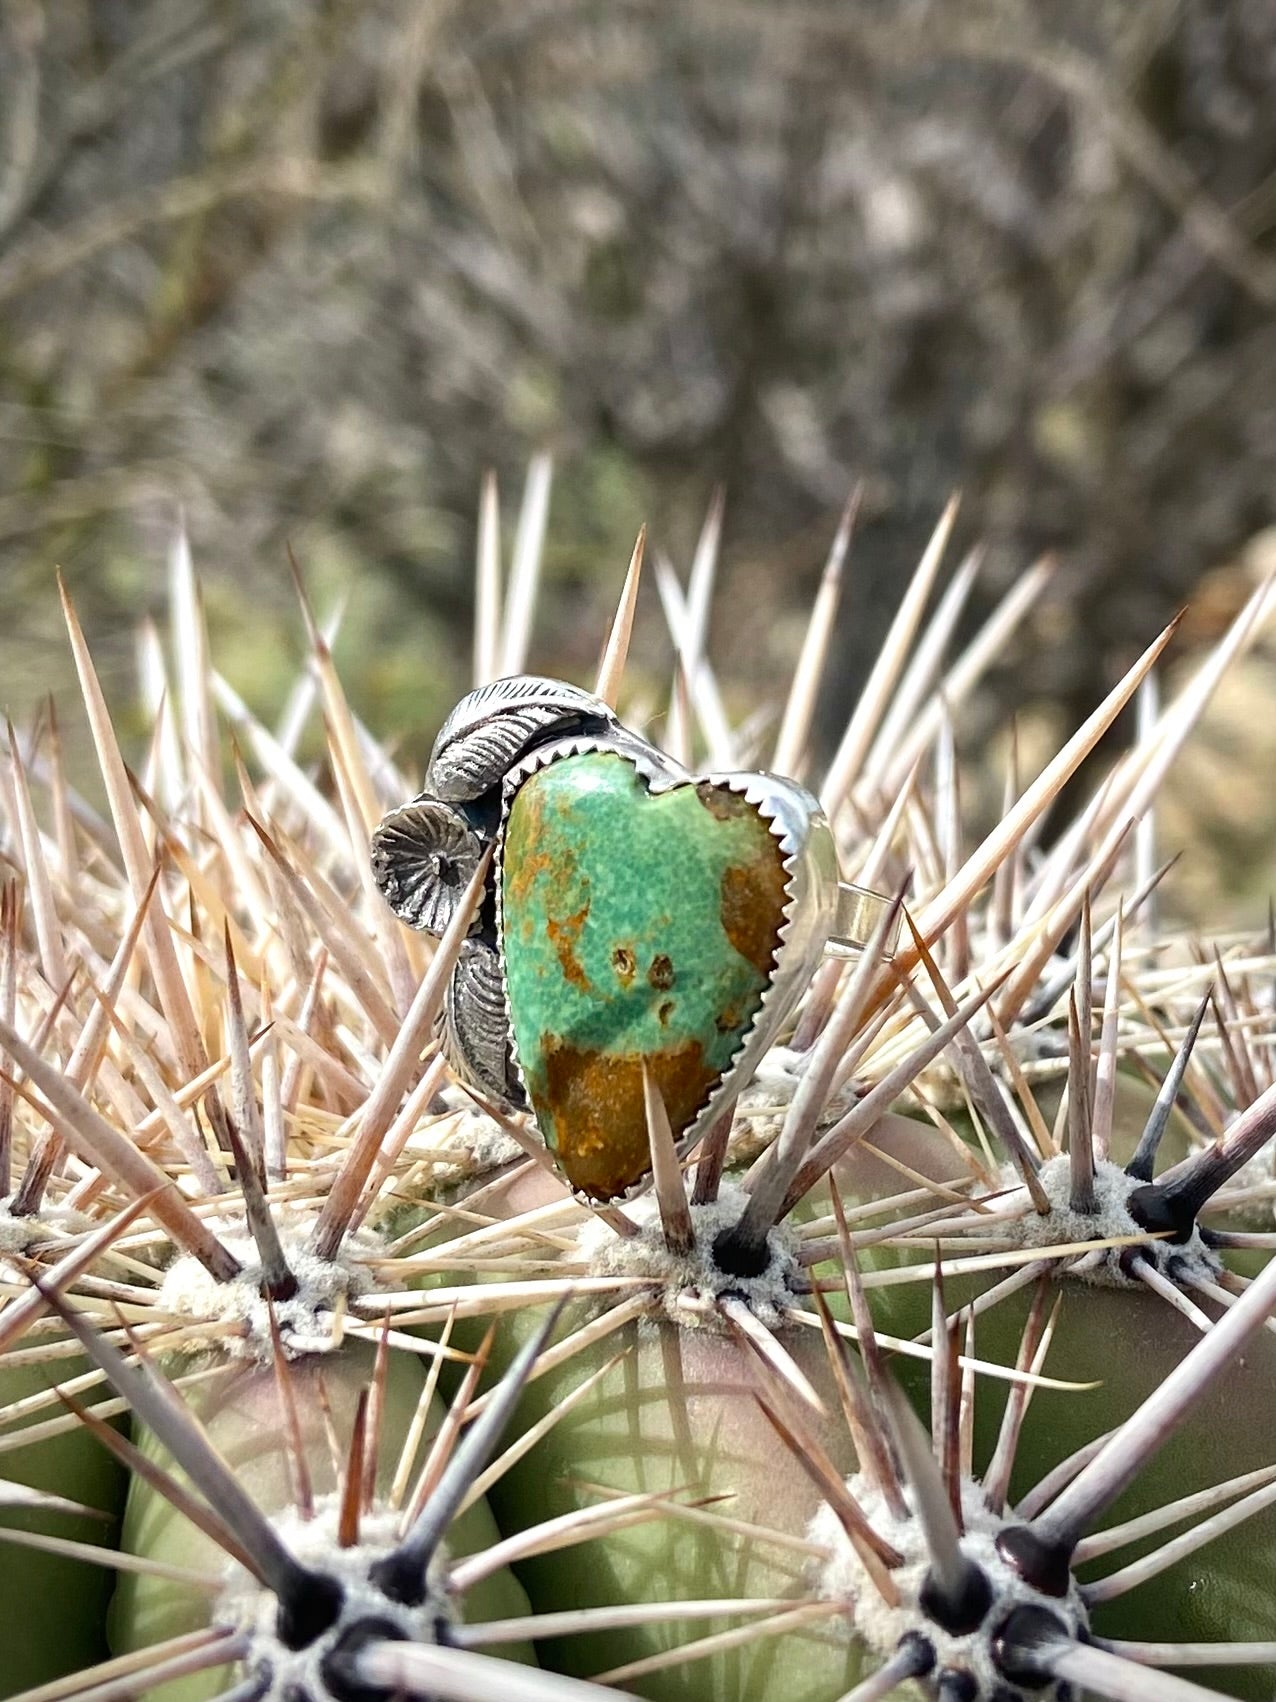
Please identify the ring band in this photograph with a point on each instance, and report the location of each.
(859, 914)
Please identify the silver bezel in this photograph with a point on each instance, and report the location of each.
(810, 867)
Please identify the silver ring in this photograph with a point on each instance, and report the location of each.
(638, 918)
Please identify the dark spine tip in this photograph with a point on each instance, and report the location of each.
(340, 1666)
(735, 1256)
(1139, 1169)
(400, 1578)
(1157, 1210)
(1129, 1259)
(955, 1686)
(958, 1611)
(1045, 1566)
(309, 1606)
(1020, 1639)
(920, 1650)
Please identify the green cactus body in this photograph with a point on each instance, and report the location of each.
(1225, 1591)
(1127, 1341)
(679, 1414)
(676, 1415)
(242, 1414)
(61, 1625)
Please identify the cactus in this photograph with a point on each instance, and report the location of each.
(309, 1341)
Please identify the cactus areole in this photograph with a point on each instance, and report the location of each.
(960, 1634)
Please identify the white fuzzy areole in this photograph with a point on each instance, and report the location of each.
(462, 1145)
(245, 1606)
(690, 1283)
(18, 1234)
(304, 1322)
(764, 1103)
(1112, 1188)
(882, 1626)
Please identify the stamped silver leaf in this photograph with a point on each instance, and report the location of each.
(476, 1033)
(491, 728)
(423, 855)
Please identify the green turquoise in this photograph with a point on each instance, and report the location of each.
(637, 928)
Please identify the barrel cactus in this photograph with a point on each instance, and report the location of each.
(384, 1316)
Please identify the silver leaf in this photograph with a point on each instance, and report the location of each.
(475, 1034)
(490, 728)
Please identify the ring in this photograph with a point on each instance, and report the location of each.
(639, 921)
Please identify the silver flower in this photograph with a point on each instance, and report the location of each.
(423, 856)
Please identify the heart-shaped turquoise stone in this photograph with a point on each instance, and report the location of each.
(635, 928)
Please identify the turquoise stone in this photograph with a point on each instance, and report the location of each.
(636, 928)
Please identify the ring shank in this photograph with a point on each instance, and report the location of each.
(859, 912)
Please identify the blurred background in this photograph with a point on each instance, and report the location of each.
(303, 271)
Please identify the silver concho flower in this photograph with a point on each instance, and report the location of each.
(423, 856)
